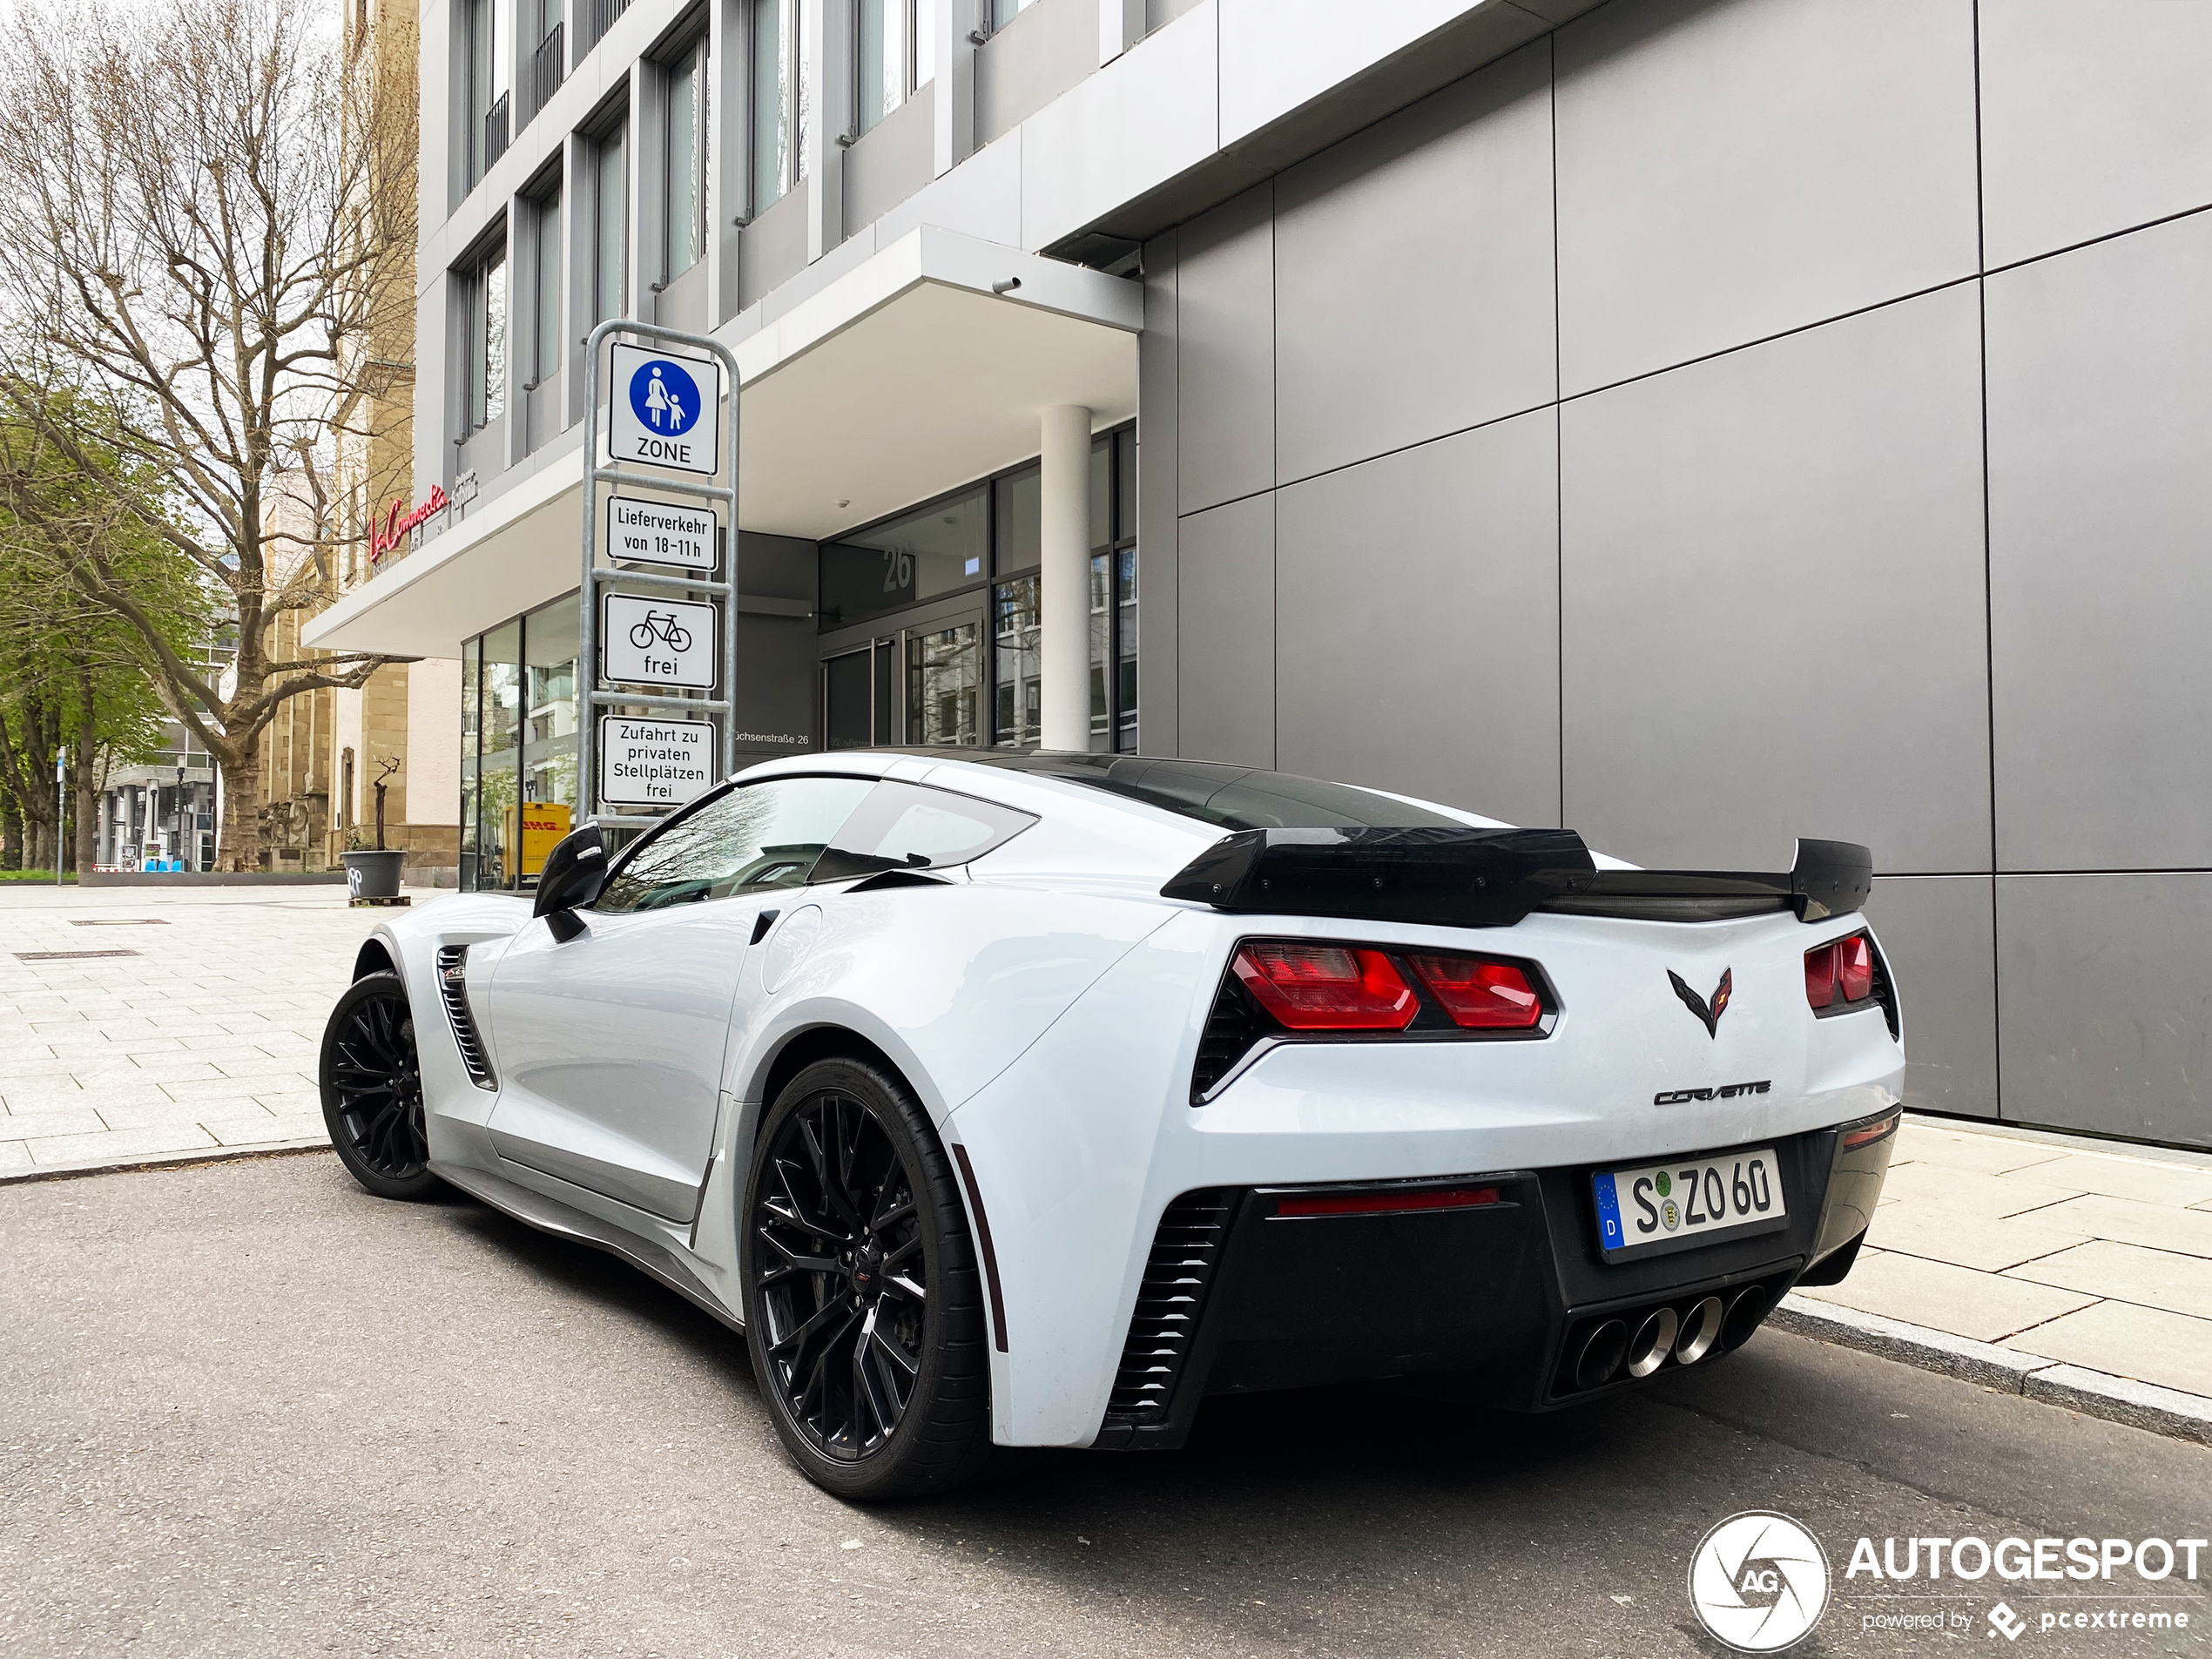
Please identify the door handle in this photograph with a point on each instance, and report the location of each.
(762, 923)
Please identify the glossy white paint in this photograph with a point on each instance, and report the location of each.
(611, 1048)
(1046, 1005)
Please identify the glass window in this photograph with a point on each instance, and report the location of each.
(778, 106)
(472, 654)
(906, 826)
(610, 230)
(896, 58)
(883, 59)
(1020, 709)
(1125, 648)
(1020, 499)
(684, 224)
(498, 781)
(545, 354)
(1004, 11)
(549, 710)
(939, 550)
(764, 836)
(944, 686)
(1101, 648)
(487, 340)
(487, 83)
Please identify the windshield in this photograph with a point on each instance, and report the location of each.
(1241, 797)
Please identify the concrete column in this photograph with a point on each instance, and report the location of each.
(1064, 598)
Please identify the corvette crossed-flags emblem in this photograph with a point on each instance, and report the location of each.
(1708, 1013)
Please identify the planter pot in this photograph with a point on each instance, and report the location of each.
(374, 875)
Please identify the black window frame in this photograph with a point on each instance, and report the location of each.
(1123, 701)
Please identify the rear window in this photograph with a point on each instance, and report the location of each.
(1242, 798)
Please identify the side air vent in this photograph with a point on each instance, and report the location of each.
(1185, 1251)
(1232, 1028)
(452, 990)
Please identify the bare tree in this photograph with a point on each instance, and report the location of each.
(208, 228)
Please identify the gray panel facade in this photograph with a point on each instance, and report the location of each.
(1225, 614)
(1938, 936)
(1773, 607)
(1403, 696)
(1439, 219)
(1854, 532)
(1225, 350)
(2093, 118)
(1727, 172)
(2105, 1002)
(2099, 497)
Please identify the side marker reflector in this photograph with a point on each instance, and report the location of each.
(1388, 1203)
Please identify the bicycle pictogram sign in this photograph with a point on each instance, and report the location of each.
(656, 642)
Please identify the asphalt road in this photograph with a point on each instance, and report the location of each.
(245, 1409)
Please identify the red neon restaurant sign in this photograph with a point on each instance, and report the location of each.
(395, 528)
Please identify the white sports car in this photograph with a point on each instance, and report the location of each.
(1017, 1100)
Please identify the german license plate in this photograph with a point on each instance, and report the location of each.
(1702, 1193)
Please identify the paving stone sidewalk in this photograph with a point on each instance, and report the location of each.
(201, 1036)
(2076, 1251)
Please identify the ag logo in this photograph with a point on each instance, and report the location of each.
(1758, 1582)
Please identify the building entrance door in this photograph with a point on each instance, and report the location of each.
(859, 696)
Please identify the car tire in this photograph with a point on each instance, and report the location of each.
(372, 1090)
(877, 1393)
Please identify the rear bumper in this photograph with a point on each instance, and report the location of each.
(1503, 1300)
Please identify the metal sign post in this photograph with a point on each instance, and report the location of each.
(660, 422)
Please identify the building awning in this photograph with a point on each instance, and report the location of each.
(912, 373)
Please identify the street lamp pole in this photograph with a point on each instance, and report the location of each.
(61, 800)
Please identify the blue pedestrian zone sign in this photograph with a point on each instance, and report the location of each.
(665, 411)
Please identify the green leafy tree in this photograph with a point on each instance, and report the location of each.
(73, 674)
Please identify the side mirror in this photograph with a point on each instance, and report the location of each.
(575, 872)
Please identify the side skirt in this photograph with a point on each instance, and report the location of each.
(550, 1216)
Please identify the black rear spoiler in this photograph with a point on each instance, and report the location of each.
(1481, 878)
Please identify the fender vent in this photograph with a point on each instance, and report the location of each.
(452, 990)
(1185, 1251)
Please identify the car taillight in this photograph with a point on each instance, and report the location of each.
(1480, 994)
(1855, 968)
(1327, 987)
(1841, 972)
(1858, 1135)
(1820, 976)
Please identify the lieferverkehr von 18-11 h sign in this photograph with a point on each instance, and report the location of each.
(664, 411)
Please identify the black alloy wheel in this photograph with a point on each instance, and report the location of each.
(372, 1089)
(863, 1302)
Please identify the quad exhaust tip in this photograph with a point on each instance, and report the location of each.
(1638, 1342)
(1602, 1354)
(1745, 1310)
(1654, 1339)
(1699, 1331)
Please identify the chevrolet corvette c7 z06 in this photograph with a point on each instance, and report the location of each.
(1028, 1099)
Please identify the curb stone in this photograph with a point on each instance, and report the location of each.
(188, 1159)
(2009, 1371)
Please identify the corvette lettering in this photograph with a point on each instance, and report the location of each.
(1724, 1091)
